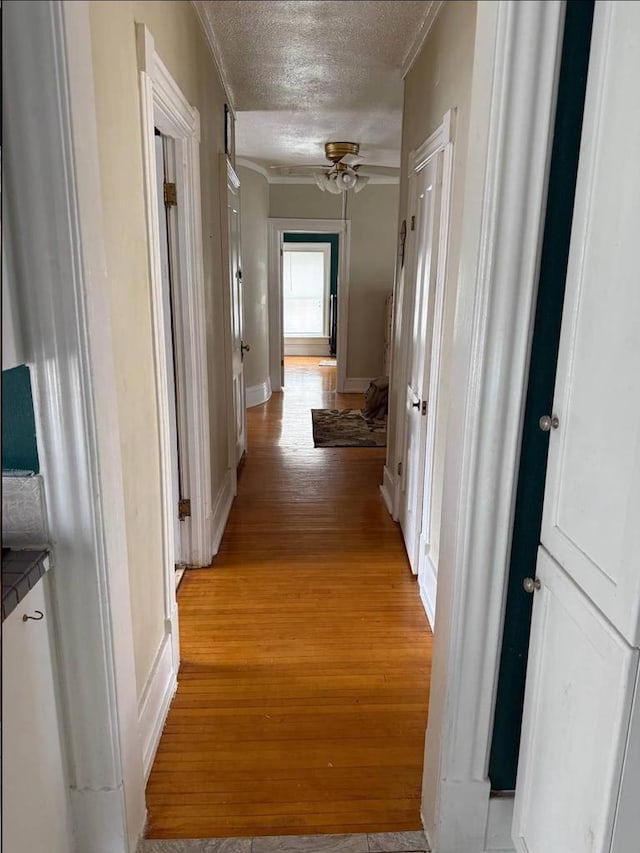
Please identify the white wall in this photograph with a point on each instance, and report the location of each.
(182, 46)
(373, 214)
(254, 213)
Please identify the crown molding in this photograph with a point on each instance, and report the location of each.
(430, 16)
(200, 7)
(255, 167)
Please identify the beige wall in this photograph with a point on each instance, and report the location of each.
(439, 80)
(373, 214)
(254, 213)
(181, 45)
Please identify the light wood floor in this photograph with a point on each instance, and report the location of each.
(306, 655)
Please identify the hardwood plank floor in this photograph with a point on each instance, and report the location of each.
(306, 654)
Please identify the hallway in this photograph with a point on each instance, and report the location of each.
(306, 655)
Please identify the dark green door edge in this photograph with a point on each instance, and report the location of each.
(572, 82)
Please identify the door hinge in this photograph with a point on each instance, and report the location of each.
(281, 251)
(170, 194)
(184, 508)
(413, 223)
(399, 469)
(424, 407)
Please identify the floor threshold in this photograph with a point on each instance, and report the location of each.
(377, 842)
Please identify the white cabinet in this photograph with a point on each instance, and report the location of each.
(578, 774)
(580, 683)
(35, 812)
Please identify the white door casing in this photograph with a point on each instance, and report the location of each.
(586, 616)
(50, 152)
(163, 105)
(516, 56)
(230, 202)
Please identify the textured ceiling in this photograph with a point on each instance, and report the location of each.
(305, 72)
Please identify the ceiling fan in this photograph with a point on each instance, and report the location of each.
(343, 174)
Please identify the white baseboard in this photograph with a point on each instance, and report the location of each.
(255, 395)
(355, 385)
(154, 703)
(97, 819)
(221, 510)
(307, 346)
(499, 824)
(388, 490)
(427, 582)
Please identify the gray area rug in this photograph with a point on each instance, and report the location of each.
(347, 428)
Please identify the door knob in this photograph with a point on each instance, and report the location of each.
(531, 584)
(415, 405)
(548, 422)
(244, 347)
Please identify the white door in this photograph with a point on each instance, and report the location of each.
(416, 405)
(238, 346)
(585, 630)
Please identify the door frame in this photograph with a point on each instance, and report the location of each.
(163, 105)
(51, 154)
(277, 230)
(515, 71)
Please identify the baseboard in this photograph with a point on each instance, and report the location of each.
(255, 395)
(97, 817)
(427, 582)
(154, 703)
(499, 823)
(307, 346)
(387, 490)
(355, 385)
(221, 510)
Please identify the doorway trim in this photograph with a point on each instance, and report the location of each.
(51, 155)
(516, 63)
(277, 230)
(163, 105)
(440, 142)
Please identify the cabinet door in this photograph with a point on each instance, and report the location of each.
(592, 501)
(580, 680)
(583, 657)
(34, 789)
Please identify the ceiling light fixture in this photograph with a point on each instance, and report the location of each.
(343, 174)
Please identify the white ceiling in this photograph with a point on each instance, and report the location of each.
(303, 72)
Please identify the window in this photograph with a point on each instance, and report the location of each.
(306, 289)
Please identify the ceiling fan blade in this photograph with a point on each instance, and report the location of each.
(351, 159)
(300, 166)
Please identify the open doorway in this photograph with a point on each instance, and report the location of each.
(167, 235)
(317, 323)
